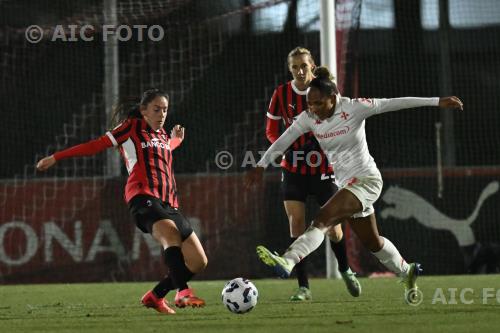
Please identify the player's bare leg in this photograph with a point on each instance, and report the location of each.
(167, 234)
(367, 231)
(196, 261)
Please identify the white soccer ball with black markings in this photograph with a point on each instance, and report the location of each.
(239, 295)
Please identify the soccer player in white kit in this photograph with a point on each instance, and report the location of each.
(338, 123)
(311, 175)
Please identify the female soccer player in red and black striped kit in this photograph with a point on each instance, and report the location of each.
(151, 192)
(305, 168)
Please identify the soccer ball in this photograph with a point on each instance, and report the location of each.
(239, 295)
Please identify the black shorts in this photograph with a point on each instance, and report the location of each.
(146, 210)
(296, 186)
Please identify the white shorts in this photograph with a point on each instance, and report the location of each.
(367, 189)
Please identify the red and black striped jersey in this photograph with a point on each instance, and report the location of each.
(147, 154)
(148, 157)
(305, 155)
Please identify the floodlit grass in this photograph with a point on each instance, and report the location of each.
(114, 307)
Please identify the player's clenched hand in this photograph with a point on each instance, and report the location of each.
(177, 132)
(46, 163)
(451, 102)
(253, 176)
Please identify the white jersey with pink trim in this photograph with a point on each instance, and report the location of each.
(342, 136)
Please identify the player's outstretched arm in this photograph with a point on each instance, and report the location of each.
(85, 149)
(451, 102)
(381, 105)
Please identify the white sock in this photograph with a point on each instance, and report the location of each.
(305, 244)
(389, 256)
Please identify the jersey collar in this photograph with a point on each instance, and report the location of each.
(297, 90)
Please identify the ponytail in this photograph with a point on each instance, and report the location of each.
(127, 107)
(323, 81)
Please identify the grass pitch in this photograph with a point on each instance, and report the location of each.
(114, 307)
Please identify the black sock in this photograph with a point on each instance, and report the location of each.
(340, 253)
(163, 287)
(179, 273)
(301, 271)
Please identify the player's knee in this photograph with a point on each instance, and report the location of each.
(326, 220)
(204, 262)
(332, 216)
(200, 264)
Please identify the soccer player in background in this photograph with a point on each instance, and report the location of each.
(339, 125)
(151, 192)
(305, 169)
